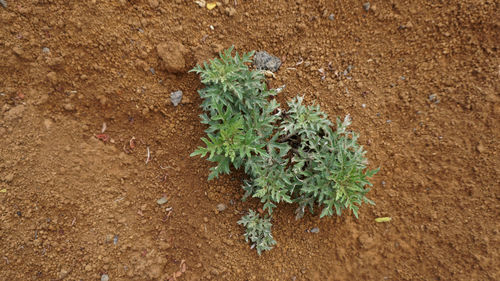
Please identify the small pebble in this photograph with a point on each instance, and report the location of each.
(69, 107)
(162, 200)
(366, 6)
(264, 61)
(152, 70)
(8, 178)
(388, 121)
(46, 50)
(221, 207)
(115, 239)
(331, 17)
(315, 230)
(104, 277)
(4, 3)
(363, 105)
(481, 148)
(176, 97)
(433, 98)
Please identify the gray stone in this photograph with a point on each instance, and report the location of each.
(331, 17)
(176, 97)
(315, 230)
(104, 277)
(162, 200)
(366, 6)
(264, 61)
(433, 98)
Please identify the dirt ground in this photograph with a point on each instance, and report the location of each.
(419, 78)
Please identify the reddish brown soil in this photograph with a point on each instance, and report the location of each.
(68, 194)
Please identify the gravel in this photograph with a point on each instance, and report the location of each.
(264, 61)
(176, 97)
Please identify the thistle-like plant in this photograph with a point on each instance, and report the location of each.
(291, 155)
(258, 231)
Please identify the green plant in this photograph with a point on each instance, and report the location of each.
(258, 231)
(291, 155)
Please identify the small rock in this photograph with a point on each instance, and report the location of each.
(45, 50)
(264, 61)
(69, 107)
(480, 148)
(176, 97)
(19, 52)
(8, 178)
(63, 273)
(366, 6)
(172, 55)
(104, 277)
(52, 76)
(315, 230)
(47, 123)
(142, 65)
(162, 200)
(3, 3)
(15, 112)
(230, 11)
(201, 3)
(153, 3)
(433, 98)
(221, 207)
(115, 239)
(331, 17)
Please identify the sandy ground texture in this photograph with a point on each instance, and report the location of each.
(79, 199)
